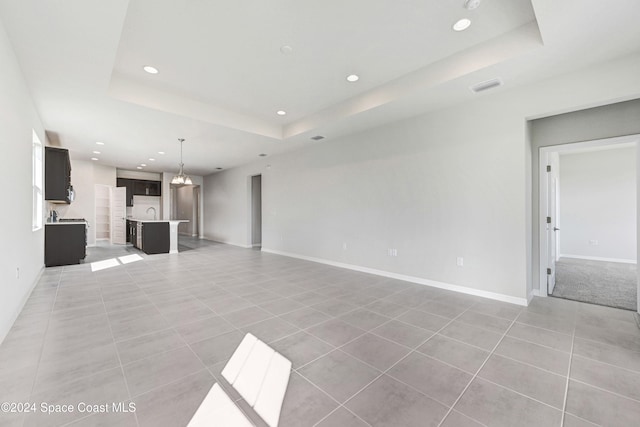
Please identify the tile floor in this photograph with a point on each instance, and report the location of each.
(366, 350)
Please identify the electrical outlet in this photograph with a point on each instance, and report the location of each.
(460, 261)
(344, 246)
(17, 272)
(593, 242)
(392, 252)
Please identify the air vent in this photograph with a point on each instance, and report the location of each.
(486, 85)
(317, 137)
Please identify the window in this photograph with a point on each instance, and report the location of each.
(37, 183)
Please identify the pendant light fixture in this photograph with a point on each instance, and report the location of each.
(181, 178)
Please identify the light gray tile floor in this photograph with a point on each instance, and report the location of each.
(366, 350)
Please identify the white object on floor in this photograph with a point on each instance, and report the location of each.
(251, 377)
(217, 409)
(235, 364)
(260, 375)
(273, 390)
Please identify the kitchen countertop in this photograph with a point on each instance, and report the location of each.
(65, 223)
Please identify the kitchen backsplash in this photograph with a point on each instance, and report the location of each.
(141, 204)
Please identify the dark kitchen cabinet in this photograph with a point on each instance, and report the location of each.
(133, 232)
(128, 183)
(155, 238)
(147, 188)
(64, 244)
(57, 175)
(139, 187)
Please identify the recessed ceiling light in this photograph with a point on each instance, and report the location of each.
(100, 143)
(262, 155)
(471, 4)
(160, 152)
(96, 152)
(462, 24)
(149, 69)
(353, 78)
(94, 158)
(286, 49)
(152, 160)
(143, 164)
(281, 113)
(139, 167)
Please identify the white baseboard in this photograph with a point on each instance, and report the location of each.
(533, 293)
(227, 242)
(412, 279)
(596, 258)
(25, 298)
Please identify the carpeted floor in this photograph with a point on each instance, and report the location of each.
(612, 284)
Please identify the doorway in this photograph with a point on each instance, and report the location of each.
(256, 211)
(588, 222)
(185, 204)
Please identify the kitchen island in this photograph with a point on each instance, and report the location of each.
(155, 236)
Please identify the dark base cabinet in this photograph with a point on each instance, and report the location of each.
(155, 238)
(129, 231)
(64, 244)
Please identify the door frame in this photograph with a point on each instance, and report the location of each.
(250, 243)
(543, 195)
(112, 190)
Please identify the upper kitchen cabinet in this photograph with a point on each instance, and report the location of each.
(57, 173)
(147, 188)
(139, 187)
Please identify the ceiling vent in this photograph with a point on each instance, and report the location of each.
(486, 85)
(317, 137)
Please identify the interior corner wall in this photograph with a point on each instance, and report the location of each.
(22, 250)
(598, 203)
(607, 121)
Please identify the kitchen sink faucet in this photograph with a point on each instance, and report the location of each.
(154, 212)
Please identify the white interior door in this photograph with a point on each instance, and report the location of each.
(552, 229)
(118, 215)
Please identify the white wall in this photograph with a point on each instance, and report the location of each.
(21, 247)
(451, 183)
(149, 176)
(84, 177)
(428, 187)
(598, 202)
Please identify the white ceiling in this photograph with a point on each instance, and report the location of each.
(222, 74)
